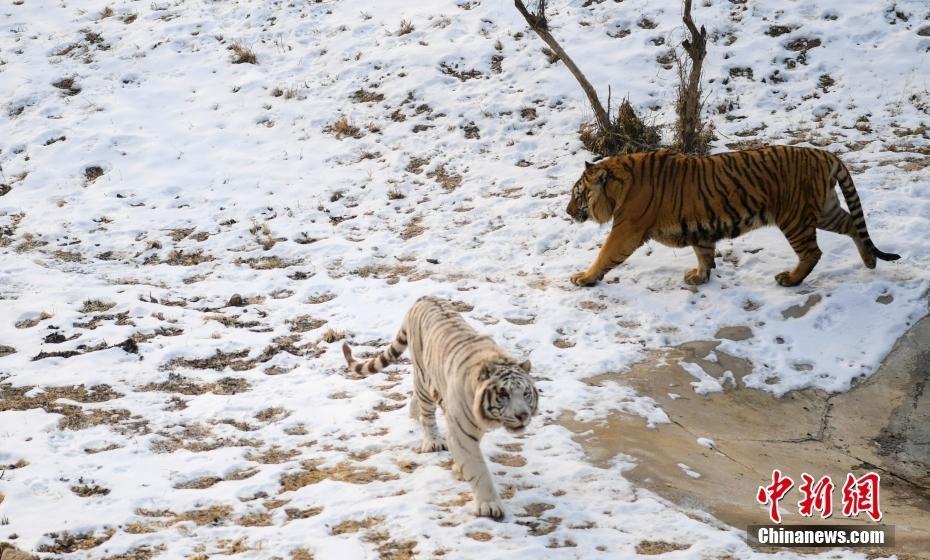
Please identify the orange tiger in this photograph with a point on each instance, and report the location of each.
(683, 200)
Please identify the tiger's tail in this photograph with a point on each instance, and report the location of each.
(841, 174)
(381, 361)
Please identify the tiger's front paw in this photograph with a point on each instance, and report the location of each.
(491, 508)
(457, 472)
(696, 276)
(433, 445)
(582, 279)
(786, 279)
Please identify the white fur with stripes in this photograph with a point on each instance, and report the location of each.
(477, 384)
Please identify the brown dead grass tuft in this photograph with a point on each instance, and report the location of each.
(242, 54)
(354, 526)
(272, 414)
(343, 128)
(448, 181)
(312, 473)
(199, 483)
(177, 383)
(65, 543)
(297, 513)
(266, 263)
(332, 335)
(406, 26)
(213, 515)
(193, 258)
(29, 323)
(73, 416)
(413, 228)
(96, 306)
(304, 323)
(658, 547)
(255, 519)
(197, 438)
(272, 456)
(86, 490)
(301, 554)
(144, 552)
(366, 96)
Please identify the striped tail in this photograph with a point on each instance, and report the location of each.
(383, 360)
(841, 174)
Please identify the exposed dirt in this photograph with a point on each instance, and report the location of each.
(882, 425)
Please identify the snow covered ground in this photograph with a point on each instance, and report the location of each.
(186, 242)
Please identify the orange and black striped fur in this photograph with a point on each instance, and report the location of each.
(696, 201)
(478, 385)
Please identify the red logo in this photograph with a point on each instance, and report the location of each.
(859, 495)
(817, 497)
(773, 493)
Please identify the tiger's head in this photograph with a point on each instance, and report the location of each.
(506, 396)
(589, 196)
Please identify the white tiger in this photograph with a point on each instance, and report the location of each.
(478, 385)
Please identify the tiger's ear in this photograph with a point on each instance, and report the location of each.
(485, 373)
(525, 365)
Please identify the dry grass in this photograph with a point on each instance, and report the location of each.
(197, 438)
(649, 548)
(332, 335)
(266, 263)
(29, 323)
(73, 416)
(366, 96)
(354, 526)
(343, 128)
(144, 552)
(93, 172)
(86, 490)
(242, 54)
(272, 456)
(298, 513)
(96, 306)
(255, 519)
(193, 258)
(312, 473)
(628, 134)
(321, 297)
(405, 27)
(213, 515)
(65, 543)
(448, 180)
(199, 483)
(304, 323)
(301, 554)
(179, 384)
(509, 460)
(272, 414)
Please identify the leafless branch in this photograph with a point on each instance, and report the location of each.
(540, 25)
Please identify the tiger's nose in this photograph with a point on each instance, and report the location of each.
(522, 416)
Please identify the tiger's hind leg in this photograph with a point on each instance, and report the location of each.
(803, 239)
(836, 220)
(705, 255)
(423, 408)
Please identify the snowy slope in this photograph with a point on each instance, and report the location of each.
(162, 179)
